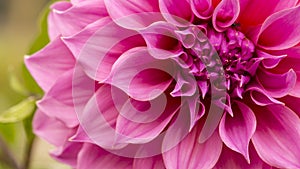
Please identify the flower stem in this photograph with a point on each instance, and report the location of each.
(8, 157)
(28, 153)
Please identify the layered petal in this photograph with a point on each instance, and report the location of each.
(237, 131)
(140, 75)
(189, 153)
(177, 12)
(68, 153)
(149, 163)
(133, 14)
(281, 30)
(203, 9)
(49, 128)
(277, 136)
(266, 8)
(92, 156)
(231, 159)
(102, 50)
(66, 19)
(58, 101)
(55, 59)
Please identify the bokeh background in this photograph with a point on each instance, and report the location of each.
(18, 29)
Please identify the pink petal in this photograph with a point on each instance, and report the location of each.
(281, 30)
(133, 14)
(98, 119)
(260, 97)
(134, 126)
(140, 75)
(67, 153)
(177, 12)
(292, 103)
(203, 9)
(291, 61)
(92, 156)
(50, 129)
(76, 42)
(161, 40)
(66, 19)
(276, 85)
(155, 162)
(189, 153)
(114, 41)
(277, 136)
(237, 131)
(53, 60)
(58, 101)
(80, 136)
(225, 14)
(265, 8)
(232, 160)
(269, 61)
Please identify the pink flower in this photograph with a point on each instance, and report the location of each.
(171, 84)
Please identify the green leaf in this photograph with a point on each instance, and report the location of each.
(16, 83)
(18, 112)
(30, 83)
(42, 39)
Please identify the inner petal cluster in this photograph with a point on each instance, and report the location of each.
(229, 54)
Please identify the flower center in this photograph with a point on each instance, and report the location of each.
(236, 57)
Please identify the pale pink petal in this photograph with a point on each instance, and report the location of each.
(177, 12)
(237, 131)
(102, 50)
(53, 60)
(50, 128)
(155, 162)
(233, 160)
(276, 85)
(203, 9)
(80, 136)
(58, 101)
(76, 42)
(140, 75)
(92, 156)
(133, 14)
(225, 14)
(66, 19)
(141, 126)
(189, 153)
(277, 136)
(281, 30)
(98, 118)
(265, 8)
(67, 154)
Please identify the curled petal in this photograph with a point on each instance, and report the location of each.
(237, 131)
(260, 97)
(277, 136)
(277, 85)
(225, 14)
(203, 9)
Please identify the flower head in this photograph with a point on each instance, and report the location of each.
(171, 84)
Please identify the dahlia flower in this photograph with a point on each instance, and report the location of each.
(176, 84)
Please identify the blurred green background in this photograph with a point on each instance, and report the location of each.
(18, 29)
